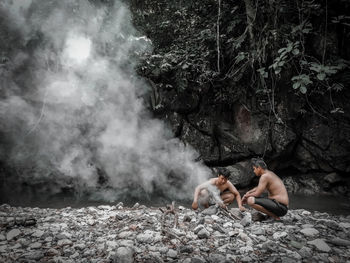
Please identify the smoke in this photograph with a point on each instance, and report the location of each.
(72, 105)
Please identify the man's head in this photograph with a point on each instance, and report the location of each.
(259, 166)
(223, 175)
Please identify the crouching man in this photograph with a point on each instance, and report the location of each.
(276, 204)
(217, 191)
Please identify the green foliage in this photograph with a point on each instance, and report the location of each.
(300, 82)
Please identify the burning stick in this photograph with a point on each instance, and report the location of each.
(228, 213)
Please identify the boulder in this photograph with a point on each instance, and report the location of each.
(241, 174)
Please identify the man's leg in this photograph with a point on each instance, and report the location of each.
(227, 197)
(204, 198)
(251, 202)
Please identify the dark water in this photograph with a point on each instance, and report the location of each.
(336, 205)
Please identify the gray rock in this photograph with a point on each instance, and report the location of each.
(332, 178)
(123, 254)
(198, 228)
(320, 245)
(216, 258)
(64, 242)
(2, 237)
(172, 253)
(257, 230)
(309, 232)
(246, 249)
(296, 244)
(339, 242)
(35, 245)
(38, 233)
(247, 220)
(3, 249)
(52, 252)
(197, 259)
(13, 234)
(147, 237)
(33, 255)
(211, 210)
(203, 233)
(279, 235)
(186, 249)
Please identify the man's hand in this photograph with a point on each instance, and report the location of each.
(244, 199)
(242, 208)
(222, 205)
(195, 205)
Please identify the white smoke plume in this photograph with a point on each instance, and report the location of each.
(71, 104)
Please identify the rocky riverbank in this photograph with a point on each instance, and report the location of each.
(172, 234)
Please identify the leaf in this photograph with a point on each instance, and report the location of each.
(303, 89)
(277, 70)
(295, 51)
(296, 85)
(321, 76)
(281, 50)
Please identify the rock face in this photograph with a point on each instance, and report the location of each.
(142, 234)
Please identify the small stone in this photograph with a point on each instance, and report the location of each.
(186, 249)
(3, 249)
(296, 244)
(212, 210)
(198, 228)
(216, 258)
(35, 245)
(124, 254)
(64, 242)
(320, 245)
(257, 230)
(52, 252)
(245, 250)
(172, 253)
(309, 232)
(12, 234)
(305, 252)
(339, 242)
(136, 205)
(247, 220)
(38, 233)
(279, 235)
(344, 225)
(203, 233)
(147, 237)
(2, 237)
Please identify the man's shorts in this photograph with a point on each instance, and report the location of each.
(272, 205)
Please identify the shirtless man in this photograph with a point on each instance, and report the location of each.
(276, 204)
(219, 190)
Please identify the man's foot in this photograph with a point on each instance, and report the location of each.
(259, 217)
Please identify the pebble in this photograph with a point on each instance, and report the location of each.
(139, 234)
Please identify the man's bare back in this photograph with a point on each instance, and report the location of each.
(275, 187)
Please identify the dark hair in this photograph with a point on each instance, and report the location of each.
(257, 162)
(224, 172)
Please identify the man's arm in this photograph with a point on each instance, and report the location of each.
(257, 191)
(234, 191)
(197, 191)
